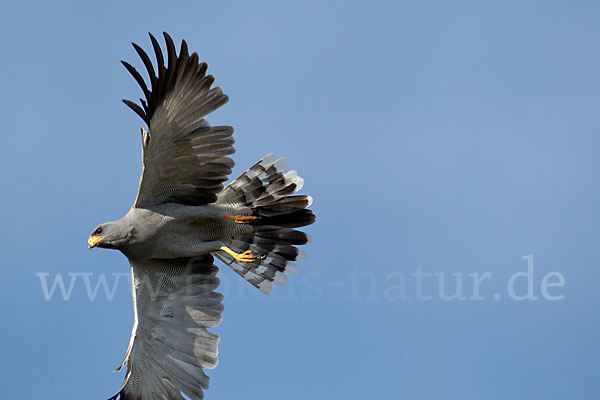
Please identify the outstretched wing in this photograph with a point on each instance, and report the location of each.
(184, 158)
(174, 304)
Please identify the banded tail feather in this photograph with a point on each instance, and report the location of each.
(267, 191)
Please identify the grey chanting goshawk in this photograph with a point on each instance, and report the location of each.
(183, 217)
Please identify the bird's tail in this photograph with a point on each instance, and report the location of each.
(266, 194)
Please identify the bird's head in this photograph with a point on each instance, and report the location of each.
(111, 235)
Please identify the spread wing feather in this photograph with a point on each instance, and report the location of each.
(184, 158)
(174, 304)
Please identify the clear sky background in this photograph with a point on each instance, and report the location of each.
(451, 137)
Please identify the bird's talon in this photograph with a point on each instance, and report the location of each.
(247, 257)
(240, 219)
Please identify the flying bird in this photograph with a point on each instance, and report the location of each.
(183, 217)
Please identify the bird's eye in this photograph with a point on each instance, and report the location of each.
(98, 231)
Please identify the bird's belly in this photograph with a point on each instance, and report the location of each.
(185, 237)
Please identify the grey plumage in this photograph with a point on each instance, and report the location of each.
(175, 304)
(182, 217)
(262, 189)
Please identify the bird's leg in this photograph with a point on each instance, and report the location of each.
(247, 256)
(240, 219)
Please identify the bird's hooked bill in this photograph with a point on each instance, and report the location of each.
(93, 241)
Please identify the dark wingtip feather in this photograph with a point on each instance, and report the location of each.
(138, 78)
(149, 67)
(138, 110)
(184, 48)
(160, 61)
(179, 66)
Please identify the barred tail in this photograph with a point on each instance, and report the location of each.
(266, 191)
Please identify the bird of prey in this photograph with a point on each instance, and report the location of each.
(183, 217)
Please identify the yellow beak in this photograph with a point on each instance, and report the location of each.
(93, 241)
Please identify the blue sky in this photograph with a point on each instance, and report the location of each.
(450, 138)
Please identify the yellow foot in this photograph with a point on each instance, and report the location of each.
(247, 256)
(240, 219)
